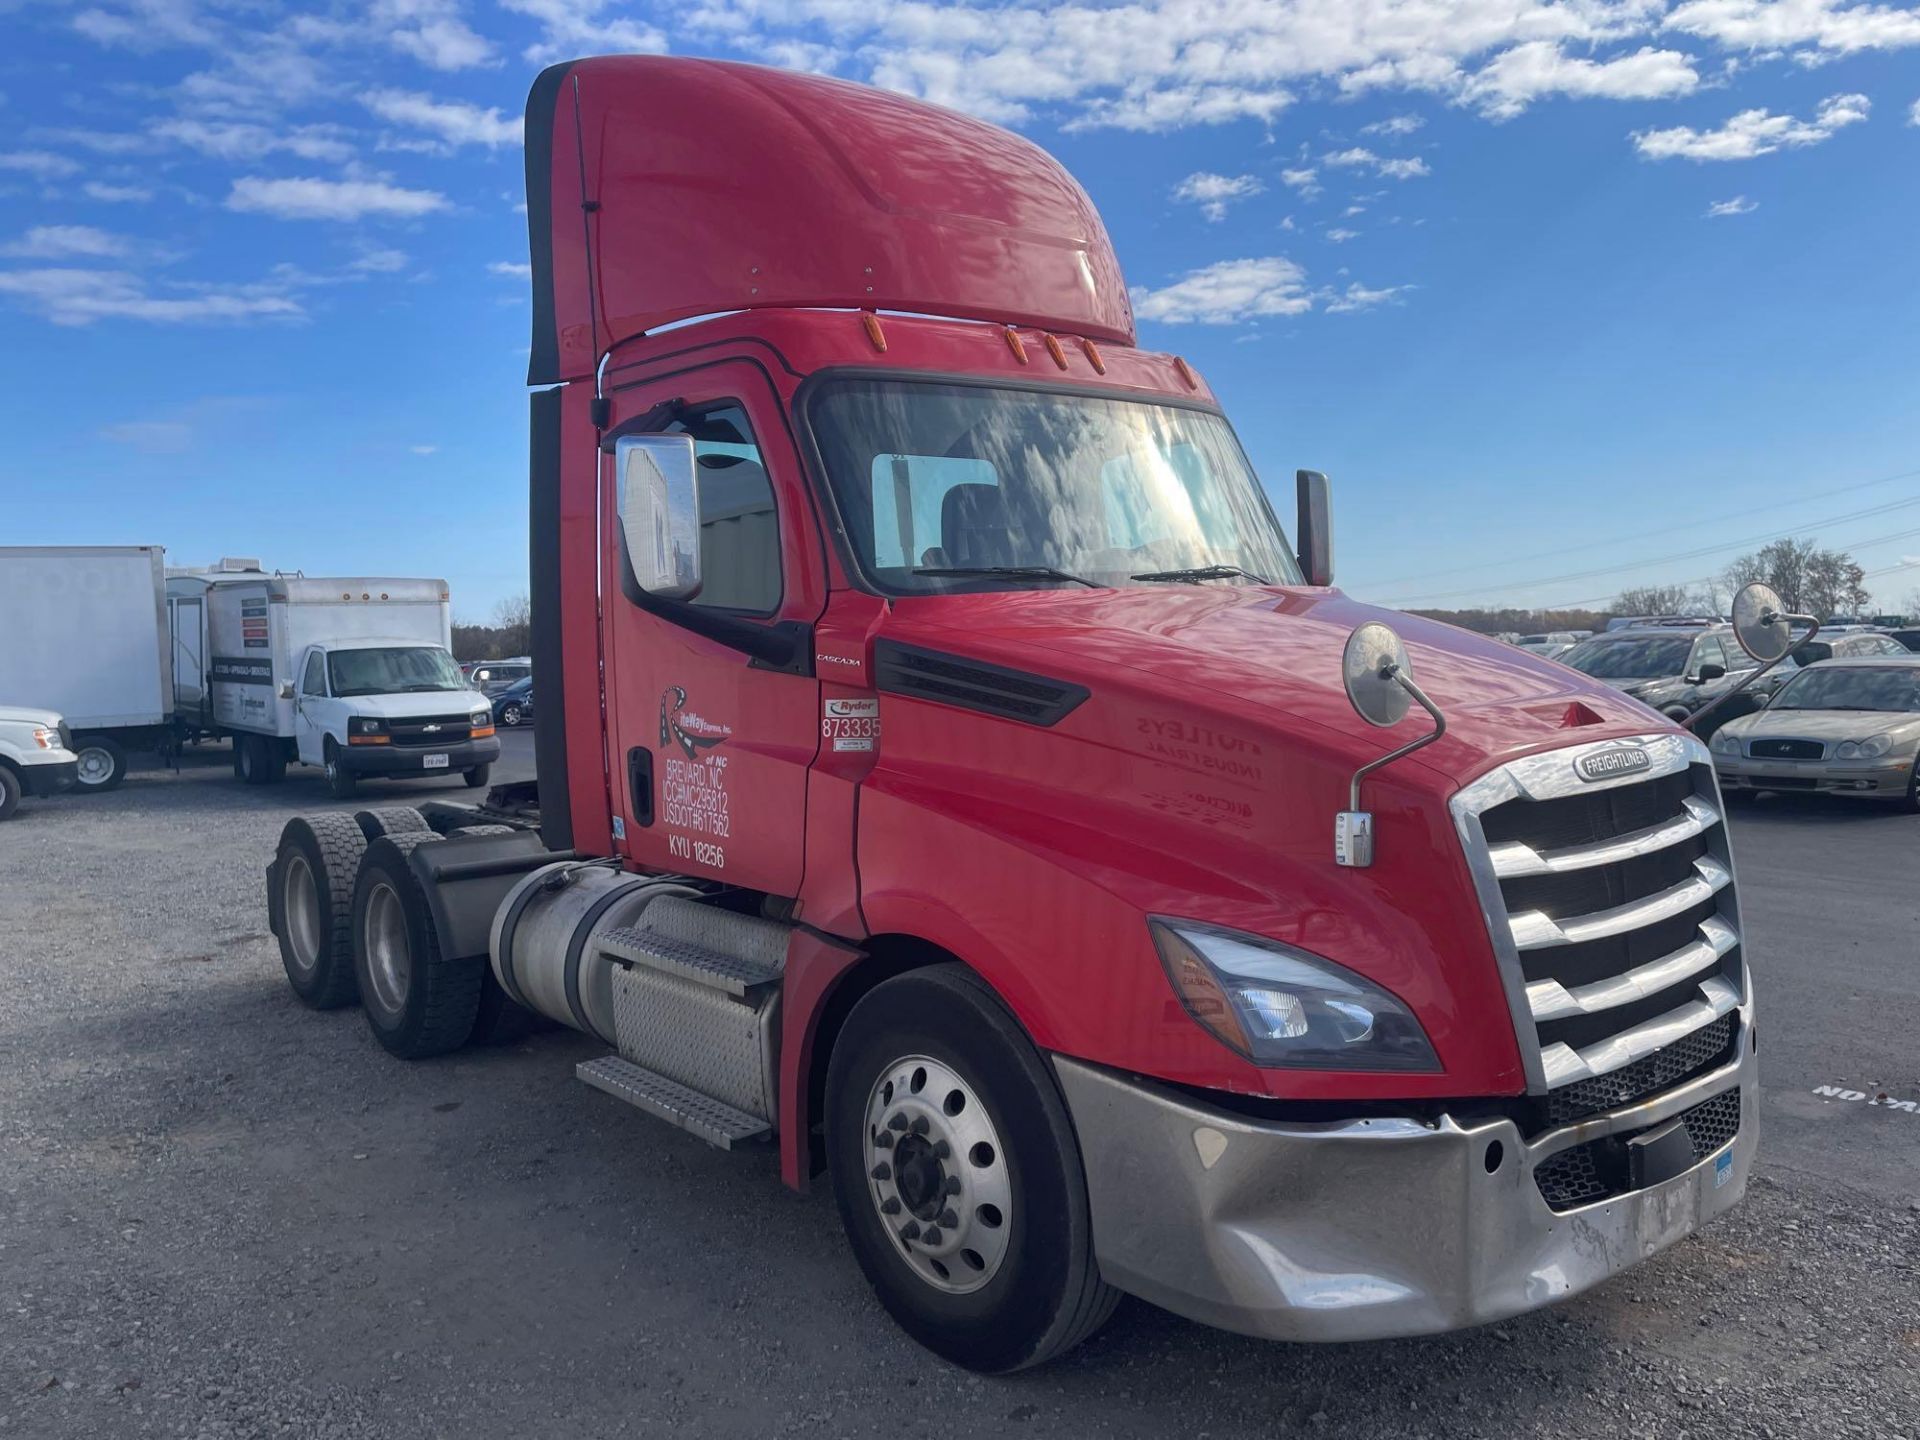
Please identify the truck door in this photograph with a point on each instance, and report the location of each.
(310, 707)
(708, 751)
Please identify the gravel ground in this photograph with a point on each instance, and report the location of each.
(223, 1215)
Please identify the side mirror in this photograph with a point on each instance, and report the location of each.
(1315, 535)
(286, 690)
(658, 501)
(1711, 671)
(1379, 681)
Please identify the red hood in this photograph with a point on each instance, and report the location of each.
(1272, 657)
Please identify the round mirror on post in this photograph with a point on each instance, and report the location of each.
(1374, 653)
(1760, 622)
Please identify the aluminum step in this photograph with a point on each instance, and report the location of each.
(689, 959)
(712, 1120)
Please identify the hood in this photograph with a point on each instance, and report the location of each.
(18, 715)
(1826, 725)
(425, 702)
(1271, 657)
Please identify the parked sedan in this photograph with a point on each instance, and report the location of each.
(1845, 727)
(514, 705)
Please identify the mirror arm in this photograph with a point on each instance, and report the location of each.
(1405, 682)
(1753, 679)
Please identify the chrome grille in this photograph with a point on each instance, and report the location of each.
(1612, 911)
(431, 729)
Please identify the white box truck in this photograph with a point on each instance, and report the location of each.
(355, 675)
(83, 631)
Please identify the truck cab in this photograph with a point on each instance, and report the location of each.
(390, 708)
(952, 772)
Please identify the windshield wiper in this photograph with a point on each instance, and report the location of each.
(1009, 572)
(1204, 572)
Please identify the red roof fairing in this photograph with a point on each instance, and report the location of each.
(715, 186)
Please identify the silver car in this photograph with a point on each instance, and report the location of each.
(1843, 727)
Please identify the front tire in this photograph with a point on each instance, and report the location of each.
(958, 1176)
(9, 793)
(418, 1002)
(510, 716)
(341, 782)
(478, 776)
(103, 764)
(1912, 802)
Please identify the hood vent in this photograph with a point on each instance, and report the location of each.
(974, 684)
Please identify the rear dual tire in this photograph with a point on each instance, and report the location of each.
(258, 760)
(979, 1242)
(418, 1002)
(315, 868)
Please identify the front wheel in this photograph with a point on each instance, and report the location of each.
(478, 776)
(103, 764)
(510, 715)
(1913, 788)
(9, 793)
(341, 782)
(958, 1176)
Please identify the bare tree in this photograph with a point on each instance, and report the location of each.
(1654, 600)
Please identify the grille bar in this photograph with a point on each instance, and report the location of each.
(1515, 859)
(1564, 1064)
(1550, 1000)
(1534, 931)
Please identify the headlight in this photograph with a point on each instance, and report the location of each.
(46, 739)
(1725, 744)
(481, 717)
(366, 725)
(1873, 747)
(1283, 1007)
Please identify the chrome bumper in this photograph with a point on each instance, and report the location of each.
(1366, 1229)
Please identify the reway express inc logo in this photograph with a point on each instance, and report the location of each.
(692, 732)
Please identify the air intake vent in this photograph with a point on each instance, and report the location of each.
(974, 685)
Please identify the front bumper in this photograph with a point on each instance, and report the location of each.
(412, 759)
(48, 779)
(1888, 777)
(1371, 1228)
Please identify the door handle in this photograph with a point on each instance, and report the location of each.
(640, 784)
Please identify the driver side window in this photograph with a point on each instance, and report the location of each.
(315, 680)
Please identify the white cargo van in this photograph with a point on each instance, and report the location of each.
(83, 632)
(354, 675)
(34, 758)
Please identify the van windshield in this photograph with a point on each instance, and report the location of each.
(395, 671)
(1041, 487)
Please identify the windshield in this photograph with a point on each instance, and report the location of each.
(392, 672)
(1891, 687)
(969, 478)
(1635, 659)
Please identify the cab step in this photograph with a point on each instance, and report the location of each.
(712, 1120)
(739, 975)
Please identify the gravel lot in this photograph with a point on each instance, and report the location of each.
(223, 1215)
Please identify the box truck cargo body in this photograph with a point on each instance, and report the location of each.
(83, 631)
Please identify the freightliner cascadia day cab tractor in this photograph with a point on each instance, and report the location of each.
(949, 771)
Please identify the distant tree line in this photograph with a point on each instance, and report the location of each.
(510, 634)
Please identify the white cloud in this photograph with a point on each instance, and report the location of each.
(576, 27)
(453, 122)
(80, 297)
(117, 194)
(1228, 292)
(1913, 115)
(1359, 157)
(1304, 179)
(1832, 27)
(422, 449)
(432, 32)
(1358, 297)
(380, 261)
(1738, 205)
(241, 140)
(1213, 193)
(1396, 125)
(516, 269)
(1752, 132)
(310, 199)
(38, 163)
(65, 242)
(1515, 78)
(1340, 236)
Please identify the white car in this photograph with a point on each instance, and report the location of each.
(34, 756)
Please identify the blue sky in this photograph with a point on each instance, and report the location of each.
(1564, 296)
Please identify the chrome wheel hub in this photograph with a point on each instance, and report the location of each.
(389, 961)
(95, 767)
(937, 1174)
(300, 903)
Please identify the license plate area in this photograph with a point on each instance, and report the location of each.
(433, 762)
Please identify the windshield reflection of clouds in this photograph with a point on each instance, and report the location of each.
(1892, 689)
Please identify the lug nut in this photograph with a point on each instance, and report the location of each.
(897, 1120)
(949, 1219)
(910, 1230)
(882, 1171)
(941, 1150)
(890, 1205)
(952, 1187)
(920, 1126)
(884, 1140)
(932, 1237)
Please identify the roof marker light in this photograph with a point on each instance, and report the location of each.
(874, 332)
(1186, 373)
(1059, 355)
(1093, 355)
(1013, 343)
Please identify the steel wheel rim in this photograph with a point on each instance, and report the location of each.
(389, 958)
(511, 715)
(95, 767)
(300, 903)
(937, 1174)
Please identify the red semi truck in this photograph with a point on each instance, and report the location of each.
(949, 771)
